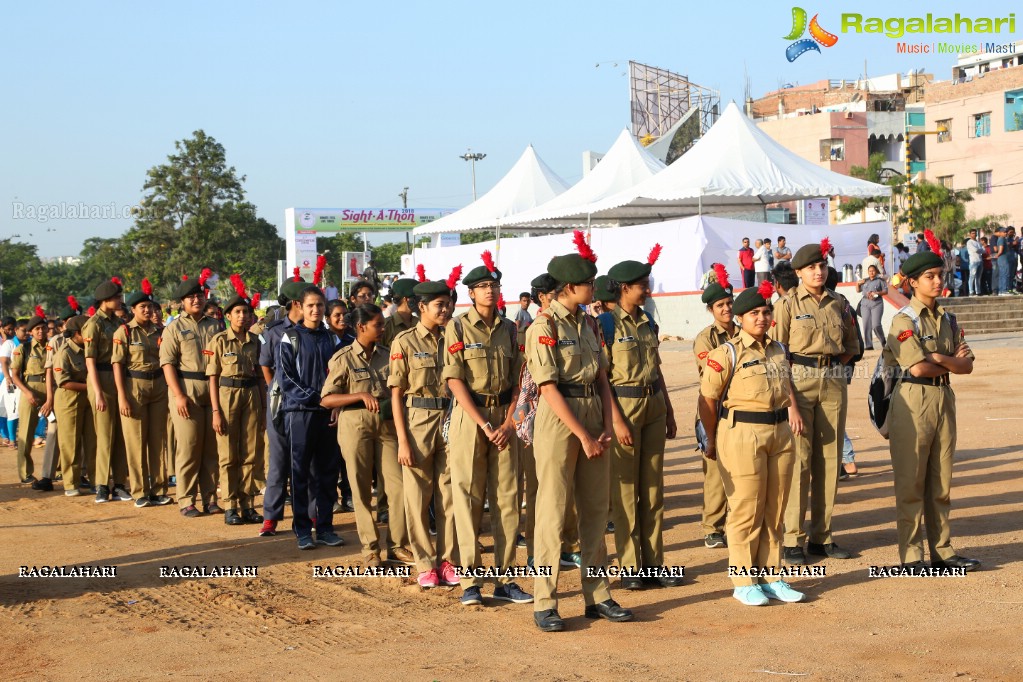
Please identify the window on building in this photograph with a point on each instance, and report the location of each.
(980, 125)
(833, 149)
(946, 181)
(983, 182)
(944, 130)
(1013, 110)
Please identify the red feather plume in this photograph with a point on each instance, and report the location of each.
(255, 301)
(933, 242)
(296, 273)
(40, 312)
(456, 274)
(655, 253)
(147, 288)
(500, 301)
(488, 260)
(825, 247)
(91, 311)
(766, 290)
(721, 274)
(116, 280)
(421, 273)
(239, 285)
(321, 263)
(579, 239)
(184, 278)
(204, 275)
(73, 302)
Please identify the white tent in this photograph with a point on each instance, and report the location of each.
(734, 164)
(528, 184)
(625, 165)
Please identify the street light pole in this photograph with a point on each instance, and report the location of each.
(473, 158)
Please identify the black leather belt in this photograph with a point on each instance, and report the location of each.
(139, 374)
(35, 378)
(927, 381)
(227, 382)
(576, 390)
(771, 418)
(104, 367)
(818, 361)
(503, 398)
(195, 376)
(636, 391)
(429, 403)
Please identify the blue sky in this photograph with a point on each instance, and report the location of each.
(343, 104)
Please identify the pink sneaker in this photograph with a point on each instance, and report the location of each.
(428, 579)
(448, 575)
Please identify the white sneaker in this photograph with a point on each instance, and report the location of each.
(72, 493)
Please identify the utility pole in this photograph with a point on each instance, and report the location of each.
(473, 158)
(404, 204)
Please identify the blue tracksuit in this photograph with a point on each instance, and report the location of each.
(279, 466)
(301, 370)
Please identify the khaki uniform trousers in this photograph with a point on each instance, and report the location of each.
(169, 445)
(111, 457)
(240, 448)
(144, 435)
(637, 484)
(570, 535)
(28, 420)
(564, 472)
(196, 459)
(822, 403)
(755, 461)
(428, 476)
(923, 441)
(51, 453)
(364, 436)
(77, 436)
(477, 469)
(715, 504)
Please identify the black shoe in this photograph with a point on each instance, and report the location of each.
(632, 583)
(794, 556)
(830, 550)
(843, 475)
(29, 479)
(102, 494)
(190, 512)
(549, 620)
(914, 565)
(714, 540)
(956, 561)
(212, 508)
(608, 610)
(337, 508)
(251, 516)
(347, 505)
(383, 517)
(43, 485)
(233, 518)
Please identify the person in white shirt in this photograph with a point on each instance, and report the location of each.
(761, 263)
(330, 292)
(976, 251)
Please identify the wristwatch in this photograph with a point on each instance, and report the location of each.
(488, 427)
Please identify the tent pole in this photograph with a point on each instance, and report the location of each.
(699, 199)
(895, 231)
(589, 229)
(497, 246)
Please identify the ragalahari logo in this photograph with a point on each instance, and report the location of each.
(801, 47)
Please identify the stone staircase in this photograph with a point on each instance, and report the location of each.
(987, 314)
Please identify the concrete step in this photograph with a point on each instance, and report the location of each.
(983, 315)
(992, 326)
(983, 301)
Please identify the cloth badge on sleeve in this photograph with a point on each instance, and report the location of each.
(207, 352)
(703, 355)
(546, 341)
(905, 335)
(118, 342)
(398, 356)
(58, 370)
(715, 365)
(773, 323)
(455, 347)
(49, 348)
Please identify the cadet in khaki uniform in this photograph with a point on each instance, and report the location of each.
(111, 458)
(29, 374)
(236, 395)
(481, 356)
(820, 337)
(753, 445)
(357, 383)
(77, 432)
(642, 418)
(416, 362)
(922, 418)
(572, 438)
(718, 299)
(51, 455)
(183, 354)
(142, 396)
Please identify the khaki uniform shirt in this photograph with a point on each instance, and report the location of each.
(233, 356)
(137, 348)
(707, 340)
(416, 363)
(563, 349)
(807, 327)
(394, 325)
(352, 370)
(98, 333)
(69, 364)
(761, 375)
(184, 346)
(485, 358)
(906, 346)
(30, 358)
(53, 346)
(633, 351)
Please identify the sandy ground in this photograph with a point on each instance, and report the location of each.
(285, 622)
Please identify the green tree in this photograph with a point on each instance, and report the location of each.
(874, 173)
(940, 209)
(18, 263)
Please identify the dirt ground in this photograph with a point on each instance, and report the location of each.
(287, 623)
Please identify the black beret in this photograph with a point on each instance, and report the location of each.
(808, 255)
(921, 261)
(186, 287)
(603, 289)
(34, 322)
(75, 324)
(571, 269)
(480, 274)
(288, 286)
(629, 271)
(137, 297)
(747, 300)
(106, 290)
(438, 288)
(68, 313)
(403, 288)
(714, 293)
(544, 283)
(234, 301)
